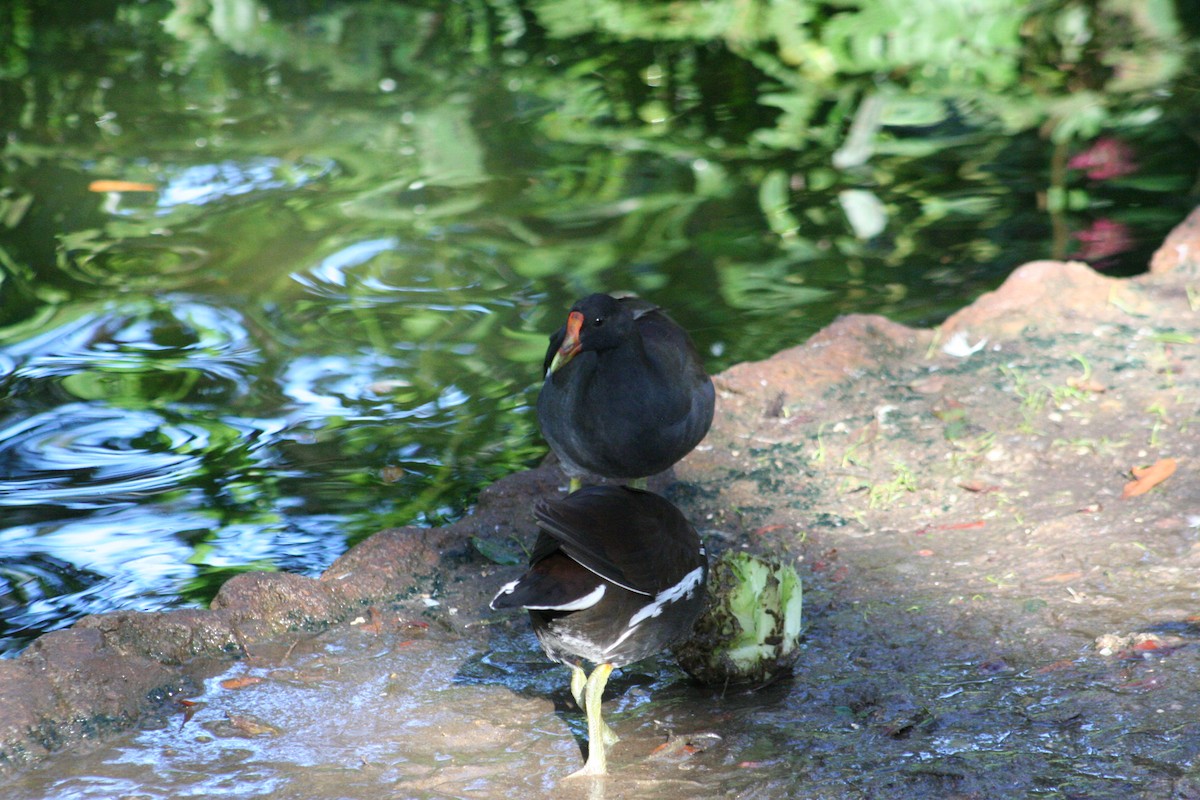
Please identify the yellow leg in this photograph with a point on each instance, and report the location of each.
(578, 684)
(578, 680)
(639, 483)
(600, 736)
(574, 485)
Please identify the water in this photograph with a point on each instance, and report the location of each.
(479, 713)
(317, 304)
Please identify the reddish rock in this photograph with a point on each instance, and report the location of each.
(1181, 248)
(263, 604)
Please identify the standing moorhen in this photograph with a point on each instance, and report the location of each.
(625, 394)
(617, 574)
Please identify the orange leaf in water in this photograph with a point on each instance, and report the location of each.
(1146, 478)
(121, 186)
(251, 726)
(190, 707)
(240, 683)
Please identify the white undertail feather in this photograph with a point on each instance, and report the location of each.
(655, 607)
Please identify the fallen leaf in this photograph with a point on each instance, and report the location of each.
(120, 186)
(1062, 577)
(190, 707)
(240, 683)
(1056, 666)
(674, 747)
(251, 726)
(376, 623)
(930, 385)
(391, 474)
(925, 553)
(506, 552)
(1086, 385)
(1146, 478)
(962, 526)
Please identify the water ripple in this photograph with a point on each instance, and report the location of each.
(202, 184)
(82, 456)
(133, 263)
(145, 352)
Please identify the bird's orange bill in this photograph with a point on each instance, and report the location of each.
(570, 345)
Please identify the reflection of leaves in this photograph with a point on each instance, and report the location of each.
(526, 347)
(450, 151)
(766, 287)
(978, 41)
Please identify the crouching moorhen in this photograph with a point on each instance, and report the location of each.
(616, 575)
(625, 394)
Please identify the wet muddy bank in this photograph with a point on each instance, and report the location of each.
(988, 616)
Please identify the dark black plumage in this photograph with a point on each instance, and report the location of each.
(616, 575)
(625, 393)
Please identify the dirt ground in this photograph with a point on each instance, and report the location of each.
(995, 607)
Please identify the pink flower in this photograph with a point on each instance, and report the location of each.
(1103, 239)
(1107, 158)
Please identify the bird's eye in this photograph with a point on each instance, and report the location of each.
(597, 322)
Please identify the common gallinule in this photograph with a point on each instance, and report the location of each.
(616, 575)
(625, 394)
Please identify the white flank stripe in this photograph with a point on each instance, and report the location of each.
(587, 601)
(669, 595)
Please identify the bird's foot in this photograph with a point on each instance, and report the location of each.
(596, 765)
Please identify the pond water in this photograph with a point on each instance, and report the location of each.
(276, 276)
